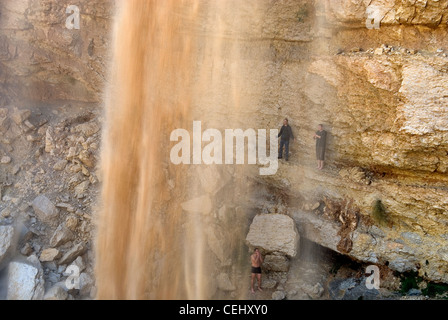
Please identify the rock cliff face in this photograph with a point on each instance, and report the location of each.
(42, 60)
(380, 93)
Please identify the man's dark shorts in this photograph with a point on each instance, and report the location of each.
(256, 270)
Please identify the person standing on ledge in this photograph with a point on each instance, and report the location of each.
(285, 135)
(256, 260)
(321, 140)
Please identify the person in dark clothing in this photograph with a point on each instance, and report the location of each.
(285, 135)
(256, 260)
(321, 140)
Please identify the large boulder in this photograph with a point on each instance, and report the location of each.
(274, 233)
(25, 282)
(6, 237)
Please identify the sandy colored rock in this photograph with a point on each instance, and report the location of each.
(19, 116)
(71, 222)
(49, 255)
(5, 160)
(25, 282)
(73, 253)
(60, 165)
(87, 129)
(274, 233)
(61, 235)
(87, 158)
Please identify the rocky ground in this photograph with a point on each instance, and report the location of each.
(49, 184)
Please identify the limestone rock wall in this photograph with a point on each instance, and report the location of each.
(42, 60)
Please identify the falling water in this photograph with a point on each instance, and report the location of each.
(170, 65)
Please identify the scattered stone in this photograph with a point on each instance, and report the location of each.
(56, 292)
(36, 247)
(5, 160)
(315, 292)
(224, 282)
(6, 237)
(311, 206)
(49, 139)
(60, 165)
(15, 169)
(71, 222)
(6, 213)
(25, 282)
(278, 295)
(44, 209)
(81, 189)
(274, 233)
(87, 158)
(61, 236)
(85, 171)
(30, 126)
(87, 129)
(379, 51)
(49, 255)
(73, 253)
(26, 249)
(71, 153)
(19, 116)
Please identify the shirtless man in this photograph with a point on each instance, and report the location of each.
(256, 261)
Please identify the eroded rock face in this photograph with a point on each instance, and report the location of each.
(34, 34)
